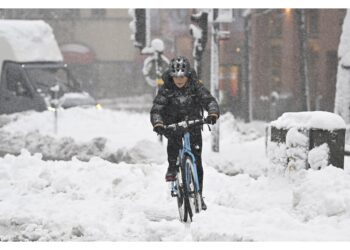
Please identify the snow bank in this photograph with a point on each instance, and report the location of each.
(101, 201)
(49, 201)
(324, 192)
(238, 142)
(84, 133)
(84, 124)
(315, 119)
(125, 136)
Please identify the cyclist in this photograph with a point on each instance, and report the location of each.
(182, 97)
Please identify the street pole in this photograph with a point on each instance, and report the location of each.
(158, 79)
(158, 73)
(198, 64)
(303, 65)
(214, 76)
(54, 103)
(247, 69)
(148, 27)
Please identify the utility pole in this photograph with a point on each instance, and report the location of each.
(216, 36)
(214, 76)
(303, 65)
(247, 68)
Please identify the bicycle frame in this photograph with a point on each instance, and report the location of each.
(186, 150)
(187, 195)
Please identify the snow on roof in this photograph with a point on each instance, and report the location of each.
(315, 119)
(25, 41)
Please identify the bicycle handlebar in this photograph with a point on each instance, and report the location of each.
(186, 124)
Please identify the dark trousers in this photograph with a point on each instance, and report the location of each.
(174, 145)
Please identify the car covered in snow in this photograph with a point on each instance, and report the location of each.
(33, 74)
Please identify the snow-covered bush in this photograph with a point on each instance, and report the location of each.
(297, 147)
(318, 157)
(277, 154)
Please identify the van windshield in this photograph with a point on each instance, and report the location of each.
(45, 78)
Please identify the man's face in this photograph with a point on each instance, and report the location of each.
(180, 81)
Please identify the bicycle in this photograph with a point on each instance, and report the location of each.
(186, 184)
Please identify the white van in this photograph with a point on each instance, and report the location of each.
(31, 64)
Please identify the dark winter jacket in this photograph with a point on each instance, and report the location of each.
(173, 104)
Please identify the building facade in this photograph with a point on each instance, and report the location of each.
(276, 58)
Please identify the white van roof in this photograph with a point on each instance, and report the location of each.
(27, 41)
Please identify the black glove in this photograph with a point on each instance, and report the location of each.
(211, 119)
(159, 129)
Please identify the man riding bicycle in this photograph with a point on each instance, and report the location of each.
(182, 97)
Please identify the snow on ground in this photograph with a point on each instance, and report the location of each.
(97, 199)
(115, 136)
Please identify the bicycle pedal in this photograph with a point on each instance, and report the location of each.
(169, 179)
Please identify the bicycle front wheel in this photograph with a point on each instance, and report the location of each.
(181, 197)
(193, 195)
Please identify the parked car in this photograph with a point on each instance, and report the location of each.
(32, 70)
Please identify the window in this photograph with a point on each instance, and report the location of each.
(275, 66)
(16, 82)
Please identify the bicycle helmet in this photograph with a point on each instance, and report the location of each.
(179, 66)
